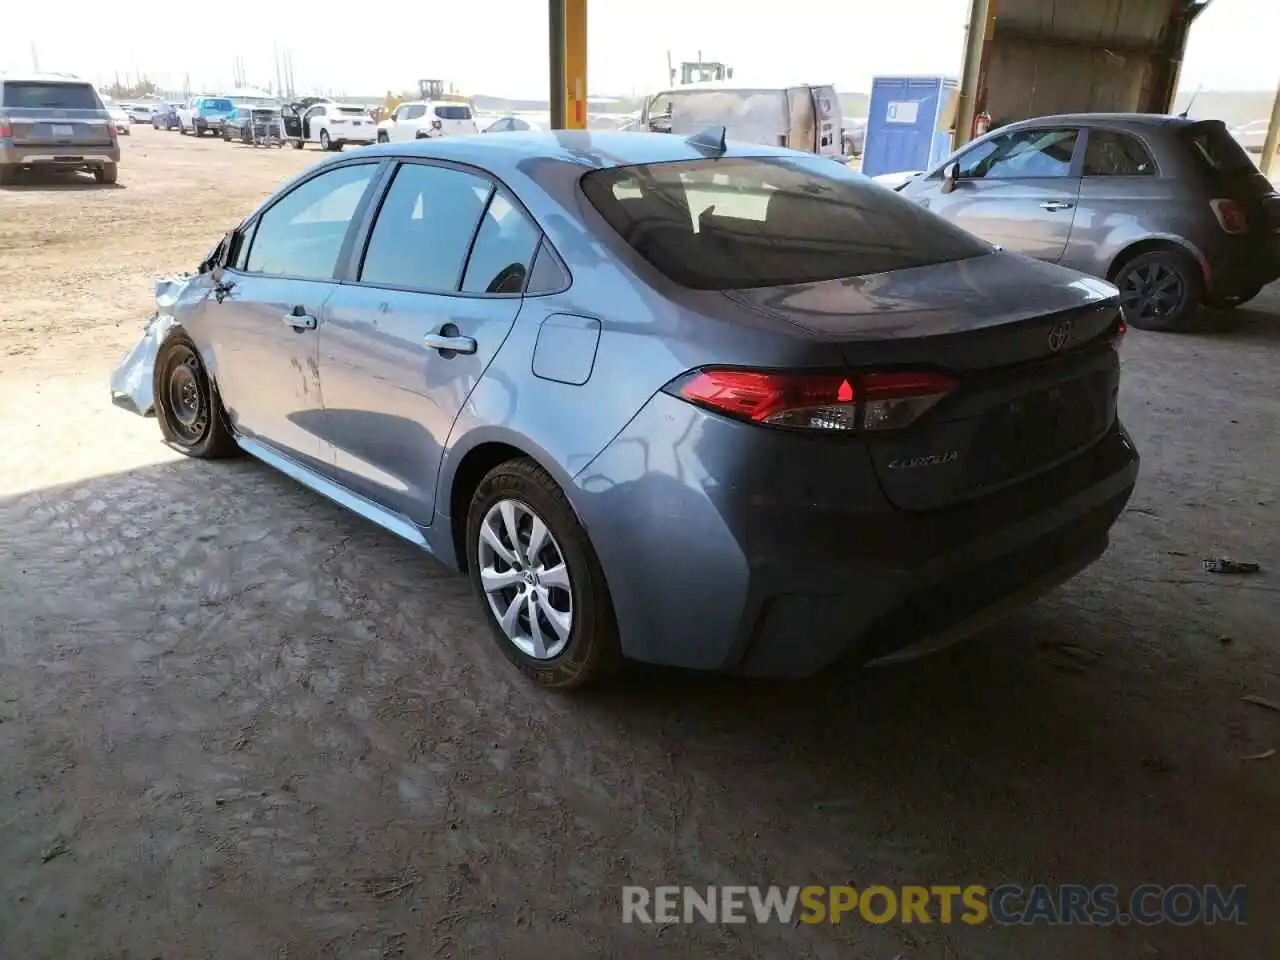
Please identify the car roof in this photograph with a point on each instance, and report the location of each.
(41, 78)
(1119, 119)
(589, 149)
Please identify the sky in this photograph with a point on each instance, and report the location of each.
(499, 47)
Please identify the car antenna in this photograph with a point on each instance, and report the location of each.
(1190, 103)
(710, 140)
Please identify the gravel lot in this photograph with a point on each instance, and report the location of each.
(238, 722)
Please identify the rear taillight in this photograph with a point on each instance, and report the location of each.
(6, 130)
(1118, 332)
(816, 401)
(1231, 217)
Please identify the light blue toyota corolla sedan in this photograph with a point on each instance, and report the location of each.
(720, 406)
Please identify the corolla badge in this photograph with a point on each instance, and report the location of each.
(1059, 335)
(928, 460)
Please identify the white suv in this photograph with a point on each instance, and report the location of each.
(334, 125)
(420, 119)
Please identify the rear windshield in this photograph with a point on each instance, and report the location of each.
(351, 111)
(453, 113)
(1217, 149)
(216, 105)
(721, 224)
(54, 96)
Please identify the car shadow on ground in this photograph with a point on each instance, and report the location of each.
(1028, 755)
(1245, 323)
(35, 181)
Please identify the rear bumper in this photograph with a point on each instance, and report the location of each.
(58, 156)
(776, 555)
(1239, 265)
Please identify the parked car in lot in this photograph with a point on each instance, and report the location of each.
(426, 119)
(331, 125)
(1171, 210)
(165, 117)
(203, 115)
(512, 124)
(142, 112)
(119, 116)
(727, 407)
(52, 121)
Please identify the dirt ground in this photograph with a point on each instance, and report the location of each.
(238, 722)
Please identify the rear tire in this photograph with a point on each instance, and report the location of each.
(297, 144)
(190, 414)
(325, 142)
(1160, 290)
(107, 173)
(574, 587)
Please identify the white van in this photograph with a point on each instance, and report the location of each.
(802, 117)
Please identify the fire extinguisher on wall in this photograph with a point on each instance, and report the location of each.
(981, 124)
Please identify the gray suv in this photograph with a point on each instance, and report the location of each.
(1170, 210)
(55, 121)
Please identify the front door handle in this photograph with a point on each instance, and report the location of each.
(447, 341)
(299, 319)
(1056, 205)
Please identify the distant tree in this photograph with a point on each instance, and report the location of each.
(125, 90)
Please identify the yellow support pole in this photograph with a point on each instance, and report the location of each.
(977, 41)
(575, 64)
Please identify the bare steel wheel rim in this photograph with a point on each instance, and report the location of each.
(525, 579)
(188, 406)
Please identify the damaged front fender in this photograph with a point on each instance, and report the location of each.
(133, 382)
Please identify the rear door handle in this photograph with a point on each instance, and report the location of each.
(299, 319)
(1057, 205)
(448, 341)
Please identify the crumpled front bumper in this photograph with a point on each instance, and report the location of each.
(132, 383)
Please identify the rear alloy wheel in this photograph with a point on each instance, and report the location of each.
(544, 593)
(187, 407)
(1159, 290)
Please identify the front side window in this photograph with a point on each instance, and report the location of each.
(1112, 154)
(414, 111)
(424, 228)
(503, 250)
(1021, 154)
(302, 234)
(727, 223)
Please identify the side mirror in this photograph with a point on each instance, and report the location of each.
(950, 175)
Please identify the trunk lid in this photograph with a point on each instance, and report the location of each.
(62, 128)
(1030, 345)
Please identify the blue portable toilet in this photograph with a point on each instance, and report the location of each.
(903, 124)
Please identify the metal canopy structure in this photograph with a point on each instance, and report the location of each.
(1026, 58)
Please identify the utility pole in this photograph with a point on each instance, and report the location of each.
(1273, 137)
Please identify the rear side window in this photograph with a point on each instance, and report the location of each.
(453, 113)
(1110, 153)
(302, 234)
(503, 250)
(424, 228)
(50, 96)
(1216, 149)
(719, 224)
(351, 111)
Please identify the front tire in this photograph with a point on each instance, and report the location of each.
(325, 142)
(383, 137)
(1160, 290)
(538, 579)
(190, 413)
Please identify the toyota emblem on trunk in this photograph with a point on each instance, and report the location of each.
(1059, 335)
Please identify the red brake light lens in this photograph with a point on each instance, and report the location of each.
(6, 130)
(816, 401)
(1231, 216)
